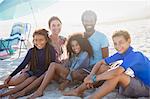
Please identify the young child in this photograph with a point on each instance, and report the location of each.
(137, 86)
(39, 58)
(58, 42)
(78, 58)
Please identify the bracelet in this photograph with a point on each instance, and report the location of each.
(94, 78)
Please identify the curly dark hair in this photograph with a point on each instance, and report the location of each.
(83, 42)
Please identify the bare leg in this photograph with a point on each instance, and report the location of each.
(54, 69)
(79, 75)
(11, 97)
(64, 84)
(76, 92)
(15, 80)
(20, 86)
(79, 90)
(101, 69)
(30, 87)
(109, 85)
(3, 86)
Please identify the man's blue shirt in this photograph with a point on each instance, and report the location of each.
(98, 41)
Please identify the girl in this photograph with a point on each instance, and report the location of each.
(39, 58)
(57, 41)
(78, 58)
(138, 86)
(98, 40)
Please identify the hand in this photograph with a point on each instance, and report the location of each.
(101, 62)
(24, 70)
(7, 80)
(86, 79)
(89, 81)
(89, 85)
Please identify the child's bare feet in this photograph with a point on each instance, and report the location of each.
(64, 84)
(72, 93)
(93, 97)
(19, 94)
(12, 97)
(1, 95)
(35, 95)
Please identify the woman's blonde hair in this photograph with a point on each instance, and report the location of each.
(123, 33)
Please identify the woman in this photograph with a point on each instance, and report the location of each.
(57, 41)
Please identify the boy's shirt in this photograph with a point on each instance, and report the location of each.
(97, 40)
(139, 63)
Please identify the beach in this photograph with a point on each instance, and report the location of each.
(130, 15)
(139, 30)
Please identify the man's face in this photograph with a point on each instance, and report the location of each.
(88, 24)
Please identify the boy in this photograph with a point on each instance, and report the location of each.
(138, 86)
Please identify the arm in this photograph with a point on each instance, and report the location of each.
(97, 67)
(23, 64)
(25, 69)
(106, 75)
(105, 52)
(133, 59)
(104, 46)
(19, 68)
(110, 74)
(105, 61)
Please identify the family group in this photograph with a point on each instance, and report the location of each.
(87, 62)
